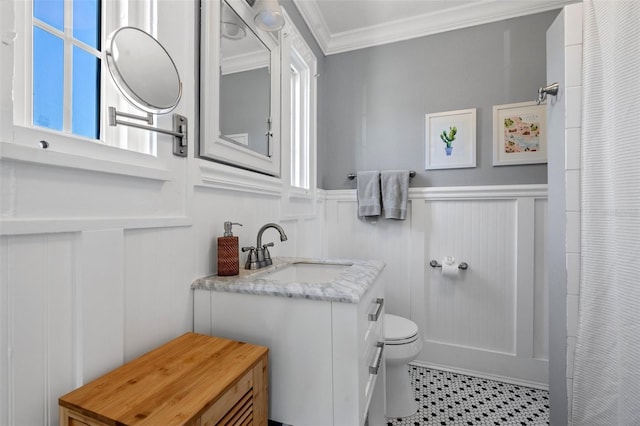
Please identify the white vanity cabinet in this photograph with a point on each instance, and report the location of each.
(323, 354)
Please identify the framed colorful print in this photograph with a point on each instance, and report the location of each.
(450, 139)
(519, 134)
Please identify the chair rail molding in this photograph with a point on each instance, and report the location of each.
(456, 192)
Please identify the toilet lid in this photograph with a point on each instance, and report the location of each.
(398, 329)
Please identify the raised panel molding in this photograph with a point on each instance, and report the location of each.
(100, 269)
(491, 321)
(37, 360)
(474, 309)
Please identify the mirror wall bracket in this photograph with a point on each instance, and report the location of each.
(179, 132)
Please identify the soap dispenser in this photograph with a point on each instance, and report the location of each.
(228, 256)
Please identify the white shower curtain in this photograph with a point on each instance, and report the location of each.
(606, 387)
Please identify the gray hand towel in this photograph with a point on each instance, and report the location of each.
(368, 193)
(395, 193)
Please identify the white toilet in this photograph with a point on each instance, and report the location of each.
(402, 345)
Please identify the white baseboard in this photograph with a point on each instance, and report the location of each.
(472, 373)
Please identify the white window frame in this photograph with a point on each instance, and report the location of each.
(113, 146)
(296, 53)
(300, 105)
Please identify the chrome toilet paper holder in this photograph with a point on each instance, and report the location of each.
(461, 265)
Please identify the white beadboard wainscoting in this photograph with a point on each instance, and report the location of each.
(490, 320)
(87, 286)
(80, 295)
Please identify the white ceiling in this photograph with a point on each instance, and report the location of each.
(343, 25)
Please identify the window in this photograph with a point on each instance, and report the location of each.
(62, 88)
(300, 77)
(299, 72)
(299, 69)
(66, 66)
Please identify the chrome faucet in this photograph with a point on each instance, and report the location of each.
(259, 256)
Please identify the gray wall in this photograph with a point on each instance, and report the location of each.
(375, 100)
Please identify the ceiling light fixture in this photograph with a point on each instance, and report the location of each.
(269, 16)
(233, 31)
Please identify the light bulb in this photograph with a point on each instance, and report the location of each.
(269, 16)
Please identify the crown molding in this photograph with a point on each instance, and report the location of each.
(245, 62)
(468, 15)
(315, 21)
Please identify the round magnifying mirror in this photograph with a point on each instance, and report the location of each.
(143, 70)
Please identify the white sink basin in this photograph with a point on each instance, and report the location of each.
(305, 272)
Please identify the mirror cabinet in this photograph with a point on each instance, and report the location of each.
(239, 89)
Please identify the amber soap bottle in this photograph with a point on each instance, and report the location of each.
(228, 255)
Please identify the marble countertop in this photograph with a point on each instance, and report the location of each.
(349, 286)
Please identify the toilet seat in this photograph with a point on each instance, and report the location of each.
(399, 331)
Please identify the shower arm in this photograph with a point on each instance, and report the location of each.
(551, 89)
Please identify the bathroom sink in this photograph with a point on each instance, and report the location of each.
(307, 272)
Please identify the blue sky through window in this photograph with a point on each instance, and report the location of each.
(86, 22)
(50, 63)
(48, 79)
(50, 11)
(86, 94)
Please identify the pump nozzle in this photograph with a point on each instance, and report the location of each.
(227, 228)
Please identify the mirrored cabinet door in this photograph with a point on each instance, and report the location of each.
(240, 89)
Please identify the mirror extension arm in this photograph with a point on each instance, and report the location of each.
(179, 131)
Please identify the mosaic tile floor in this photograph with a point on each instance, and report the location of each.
(453, 399)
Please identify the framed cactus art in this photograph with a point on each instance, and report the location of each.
(519, 134)
(450, 139)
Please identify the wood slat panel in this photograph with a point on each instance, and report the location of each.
(225, 404)
(239, 412)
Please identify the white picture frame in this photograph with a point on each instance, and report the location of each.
(519, 134)
(450, 139)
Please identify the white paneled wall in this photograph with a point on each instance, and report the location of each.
(490, 320)
(37, 318)
(386, 240)
(75, 305)
(476, 308)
